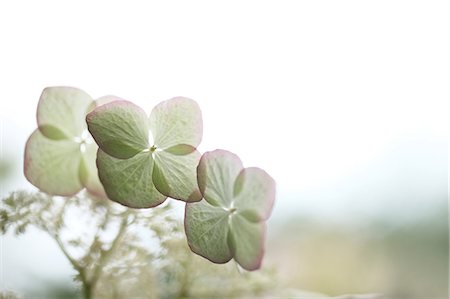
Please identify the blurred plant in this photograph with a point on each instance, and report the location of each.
(9, 295)
(127, 253)
(6, 166)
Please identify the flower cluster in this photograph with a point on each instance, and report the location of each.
(140, 160)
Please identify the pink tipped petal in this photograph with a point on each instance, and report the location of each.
(102, 101)
(89, 175)
(175, 175)
(247, 242)
(216, 173)
(176, 121)
(129, 181)
(255, 192)
(106, 100)
(53, 165)
(61, 112)
(120, 128)
(207, 231)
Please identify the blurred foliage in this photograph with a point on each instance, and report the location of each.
(9, 295)
(119, 252)
(403, 259)
(6, 167)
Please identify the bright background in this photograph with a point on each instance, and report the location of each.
(344, 103)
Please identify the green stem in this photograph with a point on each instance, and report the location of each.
(87, 291)
(84, 281)
(105, 256)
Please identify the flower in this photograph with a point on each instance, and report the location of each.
(60, 153)
(230, 222)
(143, 160)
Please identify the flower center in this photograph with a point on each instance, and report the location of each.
(152, 150)
(83, 140)
(231, 210)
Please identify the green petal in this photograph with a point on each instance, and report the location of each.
(120, 128)
(176, 121)
(254, 194)
(247, 242)
(176, 175)
(217, 172)
(129, 181)
(89, 174)
(207, 231)
(61, 112)
(107, 99)
(53, 165)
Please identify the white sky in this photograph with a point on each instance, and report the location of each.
(312, 91)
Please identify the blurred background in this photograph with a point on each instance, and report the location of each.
(343, 103)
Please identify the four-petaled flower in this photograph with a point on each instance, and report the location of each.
(230, 222)
(60, 154)
(143, 160)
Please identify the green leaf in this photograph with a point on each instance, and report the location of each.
(176, 121)
(254, 193)
(61, 111)
(247, 242)
(129, 181)
(176, 175)
(89, 174)
(207, 231)
(120, 128)
(53, 165)
(217, 172)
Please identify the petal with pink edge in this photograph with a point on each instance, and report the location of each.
(61, 111)
(247, 242)
(207, 231)
(254, 193)
(53, 166)
(176, 175)
(176, 121)
(217, 172)
(129, 181)
(120, 129)
(89, 174)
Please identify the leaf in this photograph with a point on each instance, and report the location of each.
(52, 165)
(247, 241)
(89, 175)
(207, 231)
(120, 128)
(254, 192)
(217, 172)
(176, 175)
(61, 110)
(129, 181)
(176, 121)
